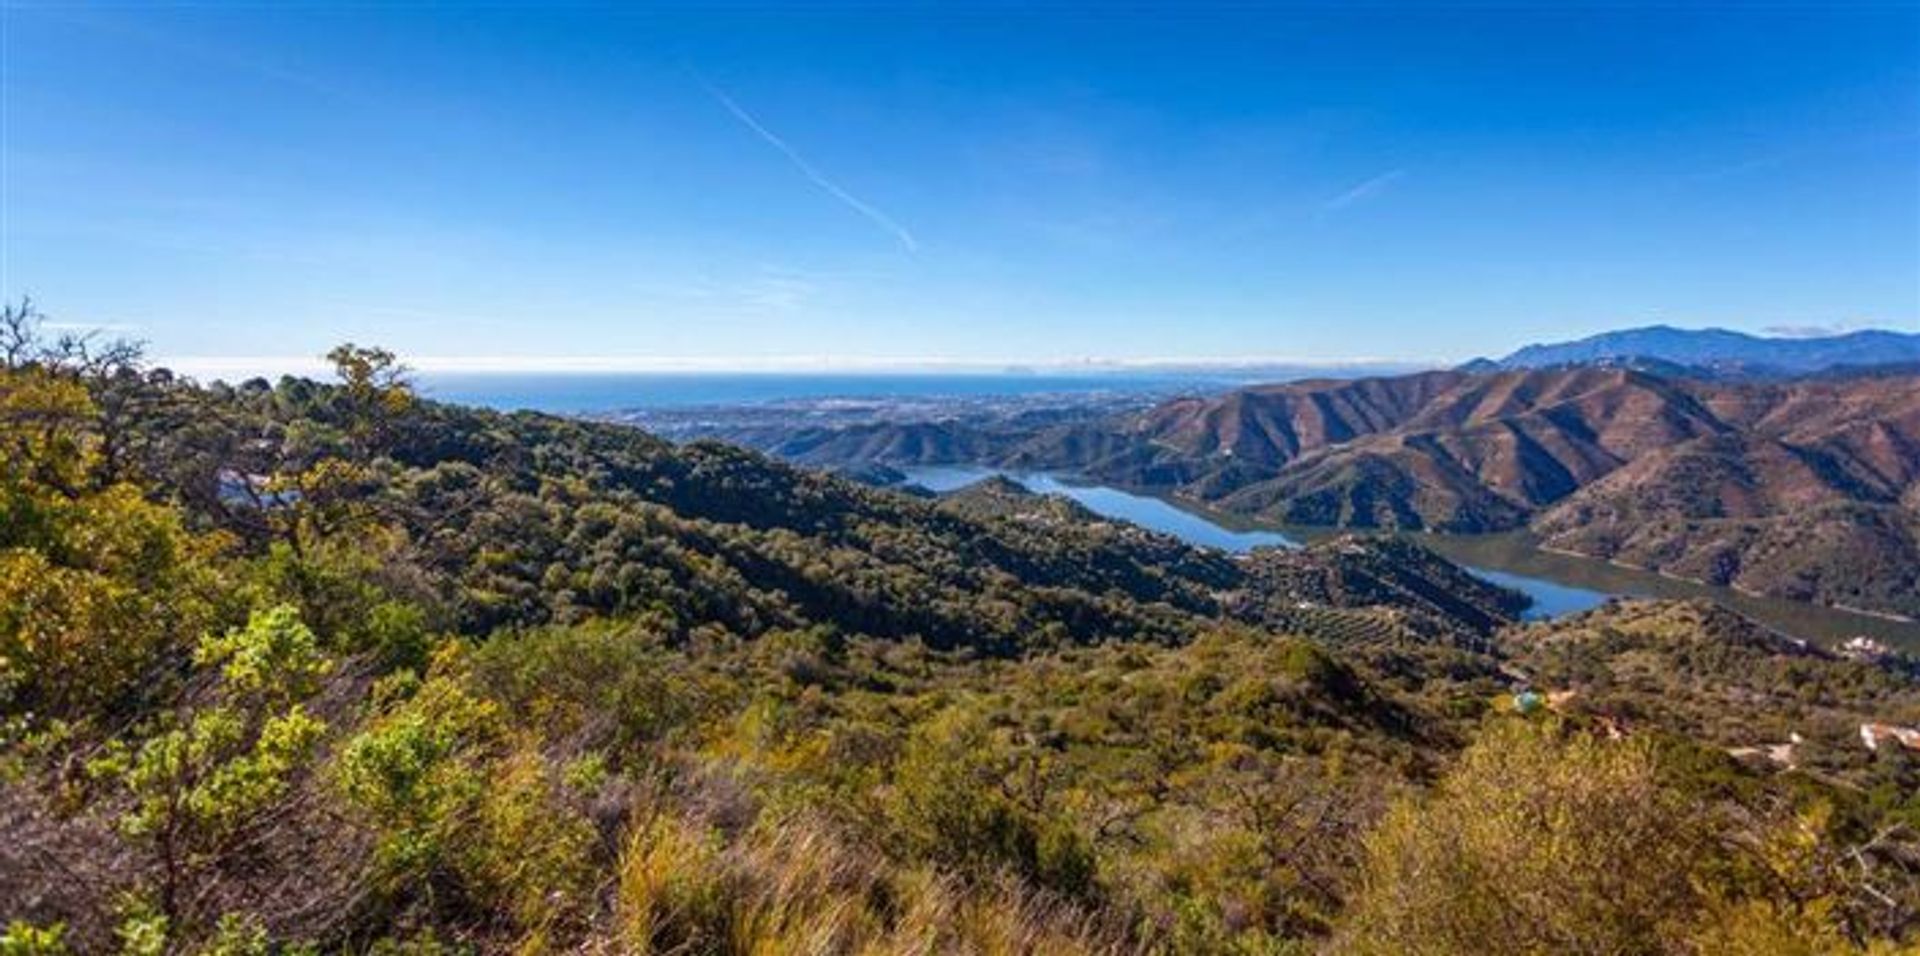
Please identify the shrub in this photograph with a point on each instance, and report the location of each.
(1537, 842)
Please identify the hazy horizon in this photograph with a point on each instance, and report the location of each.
(828, 365)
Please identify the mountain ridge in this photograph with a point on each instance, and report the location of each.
(1758, 484)
(1717, 352)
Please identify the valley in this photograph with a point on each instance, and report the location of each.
(801, 478)
(340, 664)
(1801, 490)
(1558, 584)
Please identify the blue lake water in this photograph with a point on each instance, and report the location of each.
(1143, 510)
(1558, 584)
(1550, 598)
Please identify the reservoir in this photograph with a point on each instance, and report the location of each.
(1558, 583)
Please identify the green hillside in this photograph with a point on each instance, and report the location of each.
(299, 667)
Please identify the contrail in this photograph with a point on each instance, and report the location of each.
(831, 188)
(1364, 190)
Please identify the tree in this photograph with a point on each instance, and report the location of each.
(378, 389)
(110, 369)
(99, 587)
(79, 354)
(19, 334)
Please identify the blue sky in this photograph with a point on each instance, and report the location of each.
(753, 185)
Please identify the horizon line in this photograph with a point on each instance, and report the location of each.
(264, 365)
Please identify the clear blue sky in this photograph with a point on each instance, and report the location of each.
(1424, 182)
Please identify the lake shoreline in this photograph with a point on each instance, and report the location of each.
(1567, 581)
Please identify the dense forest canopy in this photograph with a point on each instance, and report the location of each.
(329, 667)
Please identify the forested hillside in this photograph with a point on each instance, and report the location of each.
(302, 667)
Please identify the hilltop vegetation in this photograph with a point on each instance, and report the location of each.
(298, 667)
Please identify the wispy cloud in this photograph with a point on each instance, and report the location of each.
(818, 178)
(1364, 190)
(222, 55)
(778, 293)
(104, 328)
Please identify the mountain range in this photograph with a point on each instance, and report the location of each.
(1718, 352)
(1807, 489)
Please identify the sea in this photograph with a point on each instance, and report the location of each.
(585, 392)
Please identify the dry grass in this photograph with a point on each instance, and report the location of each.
(795, 887)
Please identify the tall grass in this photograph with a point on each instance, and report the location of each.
(794, 886)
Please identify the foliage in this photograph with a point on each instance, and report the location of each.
(100, 589)
(292, 667)
(966, 799)
(198, 789)
(417, 771)
(1541, 841)
(25, 939)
